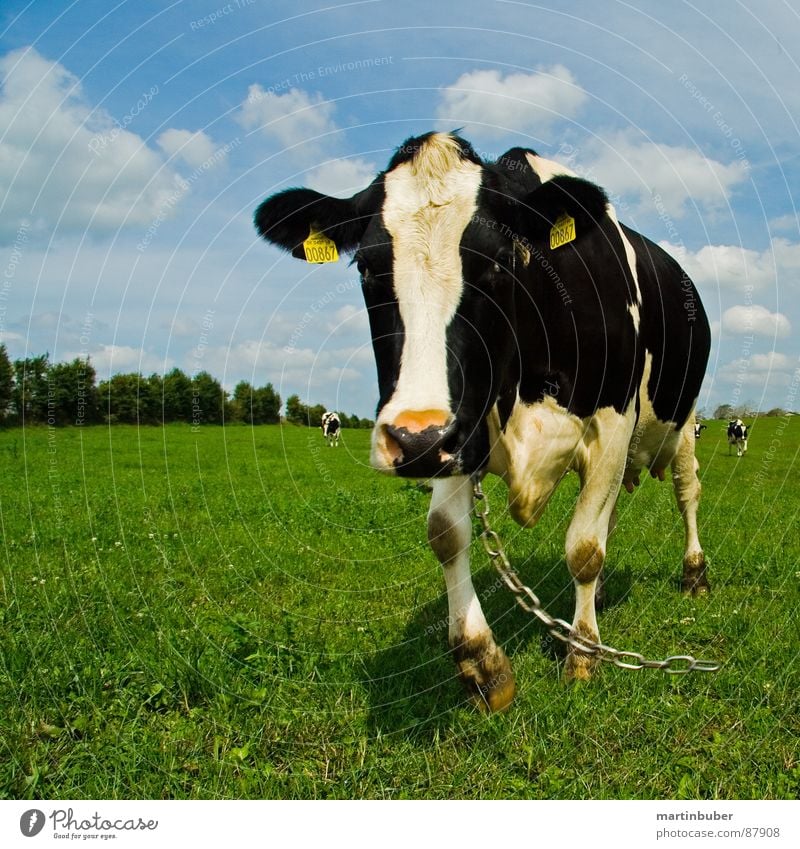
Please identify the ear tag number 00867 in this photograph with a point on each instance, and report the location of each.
(319, 248)
(562, 232)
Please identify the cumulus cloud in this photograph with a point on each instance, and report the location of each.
(290, 119)
(116, 359)
(760, 370)
(790, 223)
(288, 369)
(342, 177)
(65, 165)
(756, 320)
(727, 266)
(193, 148)
(669, 175)
(489, 102)
(740, 269)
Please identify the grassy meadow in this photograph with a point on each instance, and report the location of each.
(245, 613)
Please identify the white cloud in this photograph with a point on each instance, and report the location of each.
(756, 320)
(491, 104)
(726, 266)
(772, 369)
(194, 148)
(342, 177)
(740, 269)
(66, 166)
(292, 118)
(669, 176)
(350, 319)
(789, 223)
(117, 359)
(288, 369)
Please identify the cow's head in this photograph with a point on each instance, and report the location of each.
(441, 240)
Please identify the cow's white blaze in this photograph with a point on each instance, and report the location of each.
(429, 203)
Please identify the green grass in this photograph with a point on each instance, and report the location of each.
(245, 613)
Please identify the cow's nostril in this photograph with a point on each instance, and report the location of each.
(393, 448)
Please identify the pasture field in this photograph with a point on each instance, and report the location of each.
(245, 613)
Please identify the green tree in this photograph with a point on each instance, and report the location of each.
(296, 410)
(29, 396)
(129, 399)
(242, 403)
(6, 383)
(71, 393)
(176, 397)
(208, 399)
(256, 406)
(268, 404)
(151, 403)
(314, 415)
(724, 411)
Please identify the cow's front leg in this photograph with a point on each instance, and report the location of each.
(601, 476)
(482, 665)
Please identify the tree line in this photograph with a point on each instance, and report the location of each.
(36, 391)
(727, 412)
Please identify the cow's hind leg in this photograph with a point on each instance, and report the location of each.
(687, 494)
(482, 665)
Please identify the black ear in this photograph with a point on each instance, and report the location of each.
(287, 218)
(580, 199)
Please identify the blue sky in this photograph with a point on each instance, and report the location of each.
(136, 140)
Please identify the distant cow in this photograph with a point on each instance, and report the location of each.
(331, 425)
(518, 329)
(737, 435)
(698, 429)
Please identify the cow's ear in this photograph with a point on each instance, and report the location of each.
(286, 220)
(562, 195)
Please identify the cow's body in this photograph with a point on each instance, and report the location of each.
(698, 430)
(501, 351)
(331, 425)
(737, 436)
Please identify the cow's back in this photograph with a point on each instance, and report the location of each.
(674, 331)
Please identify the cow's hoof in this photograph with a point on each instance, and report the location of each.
(694, 581)
(580, 666)
(486, 673)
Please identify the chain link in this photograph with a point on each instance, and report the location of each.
(526, 598)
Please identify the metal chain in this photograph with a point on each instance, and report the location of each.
(678, 664)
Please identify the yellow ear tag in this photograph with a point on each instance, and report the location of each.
(319, 248)
(562, 232)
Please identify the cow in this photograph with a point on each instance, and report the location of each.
(519, 329)
(331, 425)
(737, 435)
(698, 429)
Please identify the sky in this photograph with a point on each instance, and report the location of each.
(137, 138)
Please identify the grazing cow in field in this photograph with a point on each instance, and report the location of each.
(737, 435)
(518, 329)
(331, 425)
(698, 429)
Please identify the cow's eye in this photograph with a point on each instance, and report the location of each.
(504, 262)
(361, 265)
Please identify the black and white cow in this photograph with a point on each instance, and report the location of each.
(518, 329)
(698, 429)
(331, 425)
(737, 435)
